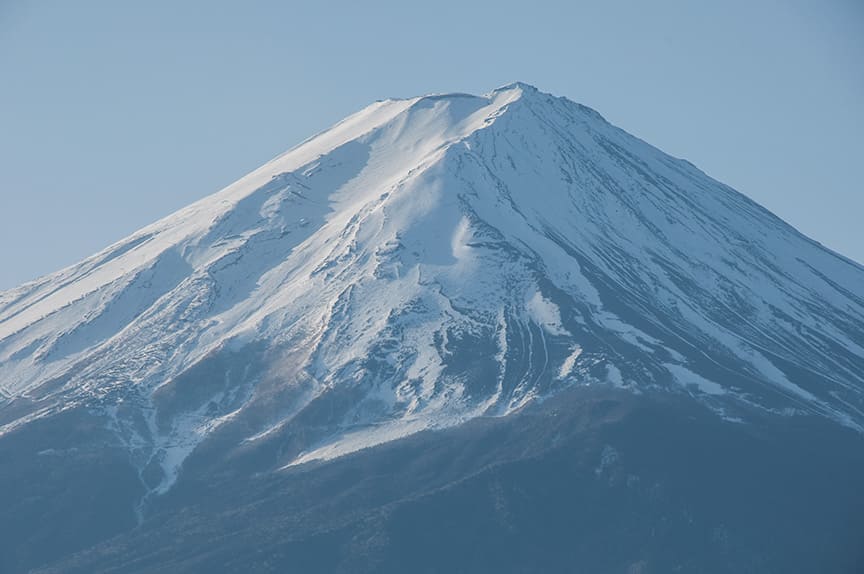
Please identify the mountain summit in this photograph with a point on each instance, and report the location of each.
(442, 262)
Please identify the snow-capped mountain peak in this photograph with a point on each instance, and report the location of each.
(429, 261)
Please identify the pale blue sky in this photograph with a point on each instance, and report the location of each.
(113, 114)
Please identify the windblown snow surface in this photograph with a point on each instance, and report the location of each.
(425, 262)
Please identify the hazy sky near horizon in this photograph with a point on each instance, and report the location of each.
(114, 114)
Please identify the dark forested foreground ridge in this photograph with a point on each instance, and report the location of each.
(450, 334)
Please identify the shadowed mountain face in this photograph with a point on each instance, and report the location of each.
(449, 334)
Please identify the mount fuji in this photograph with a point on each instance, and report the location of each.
(451, 333)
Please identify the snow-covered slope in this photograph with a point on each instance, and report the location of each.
(429, 261)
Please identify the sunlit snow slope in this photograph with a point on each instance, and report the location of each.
(425, 262)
